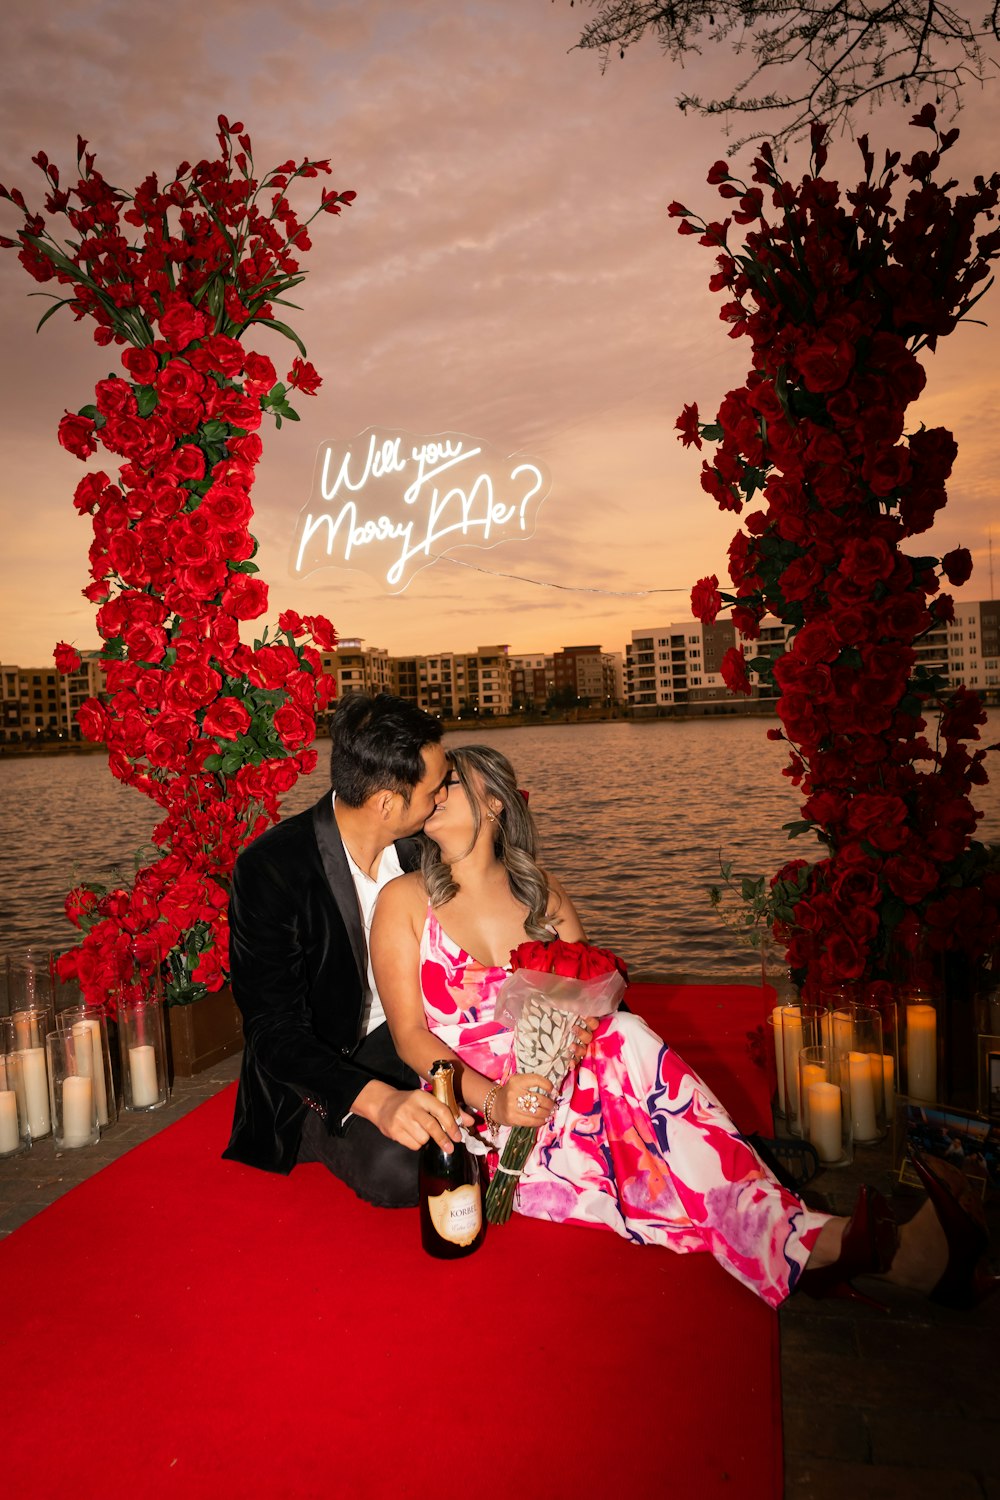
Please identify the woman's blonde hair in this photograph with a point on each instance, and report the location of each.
(515, 840)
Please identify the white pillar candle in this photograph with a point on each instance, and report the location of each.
(35, 1080)
(88, 1035)
(791, 1046)
(9, 1138)
(779, 1053)
(921, 1052)
(824, 1120)
(77, 1110)
(25, 1030)
(888, 1082)
(863, 1125)
(809, 1073)
(142, 1069)
(843, 1031)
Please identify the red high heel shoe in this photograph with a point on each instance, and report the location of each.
(966, 1281)
(867, 1249)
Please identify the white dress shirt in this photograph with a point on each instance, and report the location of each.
(373, 1013)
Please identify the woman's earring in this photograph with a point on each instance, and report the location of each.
(491, 817)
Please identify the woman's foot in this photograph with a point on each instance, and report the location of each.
(940, 1253)
(946, 1250)
(864, 1245)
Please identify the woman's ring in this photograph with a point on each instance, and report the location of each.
(528, 1102)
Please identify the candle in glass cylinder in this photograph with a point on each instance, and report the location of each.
(78, 1110)
(791, 1046)
(9, 1138)
(35, 1082)
(862, 1097)
(88, 1034)
(779, 1054)
(142, 1070)
(824, 1120)
(888, 1081)
(921, 1052)
(809, 1073)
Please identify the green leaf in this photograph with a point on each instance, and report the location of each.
(283, 328)
(60, 302)
(213, 763)
(146, 399)
(796, 828)
(243, 567)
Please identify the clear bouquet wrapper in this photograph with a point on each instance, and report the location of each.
(544, 1010)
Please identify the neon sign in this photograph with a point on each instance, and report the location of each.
(390, 503)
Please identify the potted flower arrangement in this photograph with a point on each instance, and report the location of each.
(214, 730)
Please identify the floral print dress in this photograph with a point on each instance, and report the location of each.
(637, 1143)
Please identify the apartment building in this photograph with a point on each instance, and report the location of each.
(532, 681)
(973, 647)
(672, 666)
(359, 668)
(40, 703)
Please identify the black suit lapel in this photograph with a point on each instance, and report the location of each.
(339, 879)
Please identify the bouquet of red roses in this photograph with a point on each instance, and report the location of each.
(552, 986)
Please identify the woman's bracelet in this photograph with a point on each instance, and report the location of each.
(492, 1124)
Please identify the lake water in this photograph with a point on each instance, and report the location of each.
(632, 816)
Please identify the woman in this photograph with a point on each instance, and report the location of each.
(634, 1141)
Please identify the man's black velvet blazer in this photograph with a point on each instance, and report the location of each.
(298, 961)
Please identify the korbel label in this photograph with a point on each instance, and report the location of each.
(457, 1215)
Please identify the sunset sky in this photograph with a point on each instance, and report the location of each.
(507, 271)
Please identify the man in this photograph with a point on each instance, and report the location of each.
(321, 1080)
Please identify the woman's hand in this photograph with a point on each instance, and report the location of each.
(584, 1036)
(525, 1099)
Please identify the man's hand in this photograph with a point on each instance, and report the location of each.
(411, 1117)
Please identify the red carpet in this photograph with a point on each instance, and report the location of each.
(183, 1326)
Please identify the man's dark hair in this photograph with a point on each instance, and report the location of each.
(376, 745)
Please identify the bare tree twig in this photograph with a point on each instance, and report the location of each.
(846, 52)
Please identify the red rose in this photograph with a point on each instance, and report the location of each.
(226, 718)
(291, 621)
(67, 658)
(181, 325)
(246, 597)
(322, 631)
(734, 672)
(115, 397)
(911, 878)
(260, 374)
(93, 720)
(824, 363)
(303, 377)
(687, 427)
(186, 464)
(169, 737)
(706, 601)
(270, 666)
(76, 435)
(957, 566)
(294, 728)
(221, 354)
(867, 560)
(569, 960)
(142, 365)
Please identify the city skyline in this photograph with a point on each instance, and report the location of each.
(508, 271)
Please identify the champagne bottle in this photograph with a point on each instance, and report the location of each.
(451, 1201)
